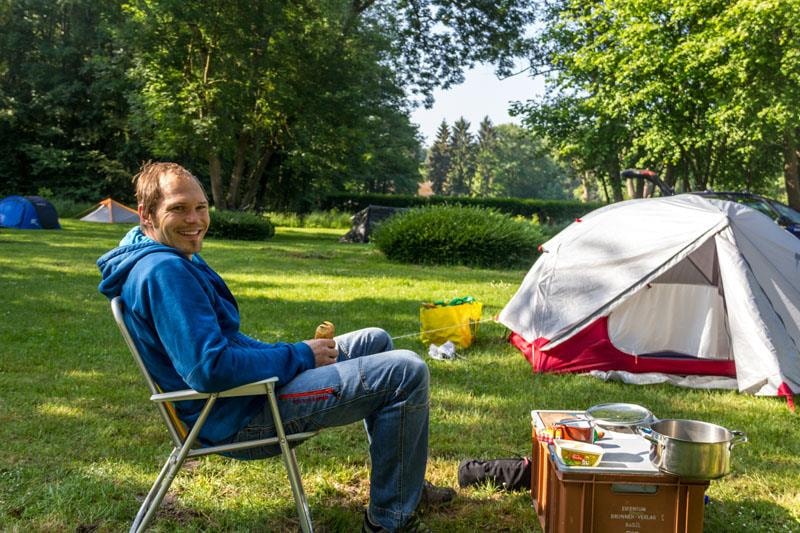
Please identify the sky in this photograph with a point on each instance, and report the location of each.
(481, 94)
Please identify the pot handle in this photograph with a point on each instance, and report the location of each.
(738, 438)
(647, 433)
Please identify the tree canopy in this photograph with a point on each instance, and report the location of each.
(698, 89)
(275, 103)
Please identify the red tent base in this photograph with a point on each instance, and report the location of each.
(591, 349)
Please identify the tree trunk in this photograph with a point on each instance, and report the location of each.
(605, 188)
(790, 168)
(254, 180)
(614, 179)
(669, 175)
(585, 178)
(238, 170)
(215, 172)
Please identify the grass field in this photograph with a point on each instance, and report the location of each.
(80, 442)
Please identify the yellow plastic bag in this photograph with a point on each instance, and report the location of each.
(456, 321)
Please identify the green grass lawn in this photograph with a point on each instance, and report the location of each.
(80, 442)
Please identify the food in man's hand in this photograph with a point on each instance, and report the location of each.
(326, 330)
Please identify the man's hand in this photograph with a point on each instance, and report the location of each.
(325, 351)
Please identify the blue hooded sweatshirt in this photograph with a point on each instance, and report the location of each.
(185, 323)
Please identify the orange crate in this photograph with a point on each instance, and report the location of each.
(570, 500)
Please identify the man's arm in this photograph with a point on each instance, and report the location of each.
(180, 308)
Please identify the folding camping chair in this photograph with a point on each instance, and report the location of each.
(184, 442)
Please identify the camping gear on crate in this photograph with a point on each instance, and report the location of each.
(623, 489)
(455, 321)
(578, 429)
(691, 448)
(29, 212)
(109, 211)
(505, 474)
(619, 415)
(577, 453)
(676, 285)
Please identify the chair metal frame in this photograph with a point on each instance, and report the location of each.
(185, 443)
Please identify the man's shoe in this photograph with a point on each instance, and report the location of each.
(414, 525)
(433, 496)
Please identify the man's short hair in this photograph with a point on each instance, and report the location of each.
(148, 182)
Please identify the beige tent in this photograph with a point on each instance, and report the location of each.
(110, 211)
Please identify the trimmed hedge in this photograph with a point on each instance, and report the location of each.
(470, 236)
(548, 211)
(239, 225)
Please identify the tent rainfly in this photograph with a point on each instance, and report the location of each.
(28, 212)
(676, 285)
(110, 211)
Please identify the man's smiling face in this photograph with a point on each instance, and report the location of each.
(181, 218)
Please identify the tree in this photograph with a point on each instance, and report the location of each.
(686, 87)
(274, 103)
(462, 159)
(63, 113)
(274, 95)
(751, 47)
(484, 159)
(523, 168)
(438, 162)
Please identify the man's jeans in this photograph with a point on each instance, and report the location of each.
(387, 388)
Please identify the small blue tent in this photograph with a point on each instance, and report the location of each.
(29, 212)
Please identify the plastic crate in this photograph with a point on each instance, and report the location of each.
(569, 500)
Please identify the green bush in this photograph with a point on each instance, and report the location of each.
(548, 211)
(458, 235)
(239, 225)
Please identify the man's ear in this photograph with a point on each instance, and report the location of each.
(145, 217)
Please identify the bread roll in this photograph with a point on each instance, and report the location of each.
(326, 330)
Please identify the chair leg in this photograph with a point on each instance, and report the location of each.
(170, 470)
(153, 499)
(290, 462)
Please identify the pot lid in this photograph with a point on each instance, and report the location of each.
(619, 414)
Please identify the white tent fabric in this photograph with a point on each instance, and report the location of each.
(652, 378)
(697, 311)
(111, 211)
(683, 273)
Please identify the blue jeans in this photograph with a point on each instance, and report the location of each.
(372, 381)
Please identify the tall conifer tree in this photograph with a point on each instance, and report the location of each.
(487, 141)
(462, 159)
(439, 159)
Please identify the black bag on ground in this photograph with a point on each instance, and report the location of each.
(506, 474)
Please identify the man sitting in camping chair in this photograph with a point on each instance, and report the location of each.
(185, 323)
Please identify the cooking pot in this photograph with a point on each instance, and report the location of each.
(690, 448)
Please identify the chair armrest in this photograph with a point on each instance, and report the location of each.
(250, 389)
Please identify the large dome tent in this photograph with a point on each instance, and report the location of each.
(678, 285)
(28, 212)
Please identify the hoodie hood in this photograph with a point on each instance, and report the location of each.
(117, 264)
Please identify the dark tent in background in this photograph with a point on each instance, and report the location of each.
(364, 222)
(110, 211)
(28, 212)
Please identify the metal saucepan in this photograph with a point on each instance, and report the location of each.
(690, 448)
